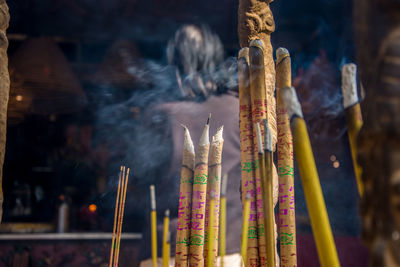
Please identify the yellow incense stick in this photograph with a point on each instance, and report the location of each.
(265, 163)
(115, 218)
(311, 185)
(153, 217)
(245, 228)
(121, 219)
(353, 116)
(165, 250)
(211, 231)
(222, 224)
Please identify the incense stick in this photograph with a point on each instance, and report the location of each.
(185, 202)
(287, 217)
(199, 199)
(213, 188)
(245, 227)
(121, 216)
(353, 116)
(115, 218)
(222, 224)
(311, 185)
(268, 197)
(153, 218)
(259, 113)
(248, 162)
(210, 259)
(165, 251)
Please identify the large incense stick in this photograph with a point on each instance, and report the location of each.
(213, 188)
(153, 218)
(287, 219)
(185, 202)
(353, 116)
(121, 215)
(199, 199)
(309, 176)
(259, 113)
(248, 163)
(115, 218)
(222, 225)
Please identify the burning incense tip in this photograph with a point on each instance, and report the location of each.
(292, 102)
(208, 119)
(248, 196)
(187, 141)
(257, 43)
(224, 184)
(244, 53)
(205, 138)
(349, 85)
(259, 139)
(153, 197)
(166, 214)
(267, 136)
(281, 53)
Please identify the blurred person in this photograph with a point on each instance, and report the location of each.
(207, 85)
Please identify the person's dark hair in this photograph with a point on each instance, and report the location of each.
(196, 52)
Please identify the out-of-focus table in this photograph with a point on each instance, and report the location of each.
(66, 249)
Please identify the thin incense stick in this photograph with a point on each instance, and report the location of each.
(245, 227)
(287, 217)
(121, 217)
(153, 218)
(222, 224)
(353, 116)
(312, 188)
(185, 202)
(213, 187)
(268, 196)
(199, 199)
(211, 231)
(115, 218)
(248, 162)
(165, 251)
(121, 196)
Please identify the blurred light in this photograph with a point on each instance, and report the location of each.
(92, 207)
(19, 98)
(333, 157)
(336, 164)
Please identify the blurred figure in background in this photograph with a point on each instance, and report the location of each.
(207, 85)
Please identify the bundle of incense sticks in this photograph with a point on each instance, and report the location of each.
(287, 219)
(198, 215)
(119, 216)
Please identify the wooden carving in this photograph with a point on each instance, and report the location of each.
(4, 89)
(377, 28)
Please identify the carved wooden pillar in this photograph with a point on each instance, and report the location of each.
(256, 22)
(377, 29)
(4, 89)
